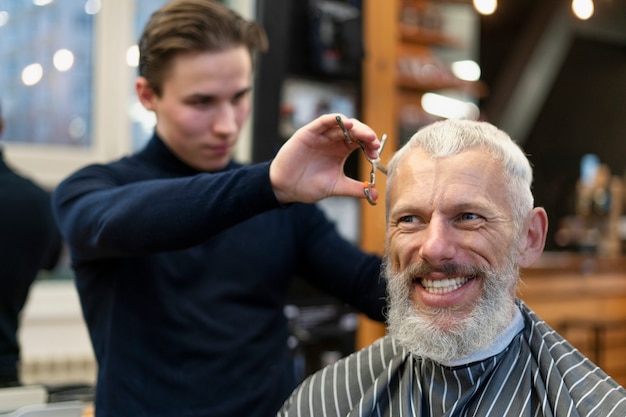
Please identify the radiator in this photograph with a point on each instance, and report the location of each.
(58, 370)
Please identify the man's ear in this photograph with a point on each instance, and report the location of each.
(145, 93)
(533, 237)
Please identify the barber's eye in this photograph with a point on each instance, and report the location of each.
(202, 102)
(239, 97)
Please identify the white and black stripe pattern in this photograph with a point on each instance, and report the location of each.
(538, 374)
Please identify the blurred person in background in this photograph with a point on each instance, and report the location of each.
(29, 242)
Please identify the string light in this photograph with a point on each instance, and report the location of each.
(32, 74)
(63, 60)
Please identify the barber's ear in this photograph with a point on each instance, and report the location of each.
(533, 238)
(145, 93)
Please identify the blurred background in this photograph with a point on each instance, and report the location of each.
(550, 73)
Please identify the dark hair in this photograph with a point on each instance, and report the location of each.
(183, 26)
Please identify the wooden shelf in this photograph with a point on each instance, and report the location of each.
(582, 297)
(474, 88)
(426, 36)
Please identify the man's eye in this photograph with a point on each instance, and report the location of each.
(469, 216)
(239, 97)
(202, 102)
(406, 219)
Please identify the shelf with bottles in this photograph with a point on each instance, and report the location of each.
(432, 37)
(429, 73)
(410, 33)
(423, 22)
(305, 98)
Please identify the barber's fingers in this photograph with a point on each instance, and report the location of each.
(309, 166)
(353, 188)
(326, 127)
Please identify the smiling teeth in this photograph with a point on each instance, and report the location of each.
(442, 286)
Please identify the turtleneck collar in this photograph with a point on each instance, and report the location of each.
(156, 151)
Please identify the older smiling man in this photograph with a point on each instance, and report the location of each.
(460, 224)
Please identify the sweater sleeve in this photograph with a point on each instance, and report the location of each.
(339, 267)
(101, 215)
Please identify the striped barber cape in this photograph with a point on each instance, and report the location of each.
(538, 374)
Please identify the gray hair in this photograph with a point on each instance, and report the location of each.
(451, 137)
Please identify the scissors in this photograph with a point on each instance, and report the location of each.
(367, 185)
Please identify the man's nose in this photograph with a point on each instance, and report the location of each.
(437, 245)
(225, 122)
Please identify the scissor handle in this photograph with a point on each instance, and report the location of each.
(367, 185)
(367, 190)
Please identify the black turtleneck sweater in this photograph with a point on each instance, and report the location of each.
(29, 242)
(183, 278)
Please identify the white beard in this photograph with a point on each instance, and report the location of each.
(421, 330)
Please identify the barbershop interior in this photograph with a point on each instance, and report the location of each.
(552, 74)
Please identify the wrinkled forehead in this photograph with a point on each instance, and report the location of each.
(474, 162)
(473, 172)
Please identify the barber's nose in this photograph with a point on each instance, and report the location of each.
(225, 122)
(437, 242)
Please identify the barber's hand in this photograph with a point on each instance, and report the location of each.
(309, 166)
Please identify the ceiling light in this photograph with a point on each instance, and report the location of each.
(485, 7)
(583, 9)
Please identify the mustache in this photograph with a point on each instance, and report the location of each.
(420, 269)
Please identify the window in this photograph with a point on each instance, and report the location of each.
(46, 51)
(78, 108)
